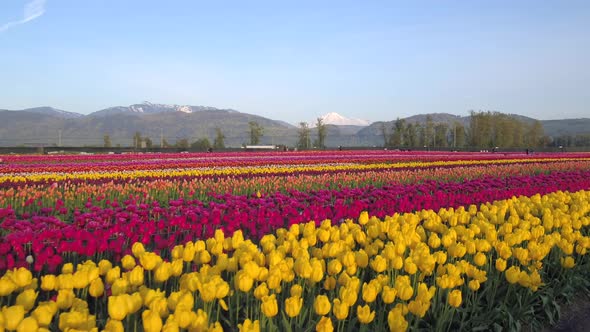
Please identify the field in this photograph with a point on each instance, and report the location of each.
(292, 241)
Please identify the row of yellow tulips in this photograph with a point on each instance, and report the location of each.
(432, 270)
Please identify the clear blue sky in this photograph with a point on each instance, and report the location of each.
(296, 60)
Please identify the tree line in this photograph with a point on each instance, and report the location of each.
(486, 130)
(482, 130)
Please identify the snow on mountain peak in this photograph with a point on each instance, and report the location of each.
(340, 120)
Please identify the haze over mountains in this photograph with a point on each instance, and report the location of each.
(49, 126)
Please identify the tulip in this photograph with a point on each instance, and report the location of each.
(324, 325)
(65, 298)
(128, 262)
(151, 321)
(117, 307)
(364, 314)
(13, 316)
(340, 309)
(269, 306)
(455, 298)
(7, 286)
(293, 306)
(322, 305)
(96, 288)
(22, 277)
(249, 326)
(27, 299)
(27, 324)
(113, 325)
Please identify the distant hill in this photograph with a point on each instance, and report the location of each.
(45, 126)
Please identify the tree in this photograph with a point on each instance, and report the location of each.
(304, 131)
(202, 144)
(535, 134)
(137, 140)
(218, 142)
(322, 131)
(440, 137)
(458, 134)
(429, 131)
(411, 135)
(165, 143)
(256, 131)
(182, 143)
(383, 130)
(107, 141)
(148, 142)
(396, 138)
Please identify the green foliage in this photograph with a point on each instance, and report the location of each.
(218, 142)
(107, 141)
(201, 144)
(183, 143)
(322, 132)
(256, 131)
(304, 136)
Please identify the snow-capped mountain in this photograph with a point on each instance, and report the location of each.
(150, 108)
(334, 118)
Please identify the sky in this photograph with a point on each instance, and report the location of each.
(297, 60)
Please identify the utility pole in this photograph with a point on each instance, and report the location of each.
(59, 137)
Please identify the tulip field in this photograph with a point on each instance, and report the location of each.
(292, 241)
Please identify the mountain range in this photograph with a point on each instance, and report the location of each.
(45, 126)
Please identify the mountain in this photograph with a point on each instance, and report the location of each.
(49, 126)
(149, 108)
(46, 110)
(334, 118)
(173, 122)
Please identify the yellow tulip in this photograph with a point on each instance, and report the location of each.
(22, 277)
(364, 218)
(7, 286)
(369, 292)
(112, 275)
(293, 306)
(120, 286)
(137, 249)
(128, 262)
(44, 314)
(455, 298)
(388, 294)
(324, 325)
(500, 264)
(340, 309)
(162, 272)
(65, 298)
(27, 324)
(261, 291)
(13, 316)
(68, 268)
(152, 322)
(104, 266)
(136, 276)
(322, 305)
(296, 290)
(396, 320)
(96, 288)
(378, 264)
(117, 307)
(150, 261)
(243, 281)
(364, 314)
(249, 326)
(269, 306)
(479, 259)
(568, 262)
(113, 325)
(27, 299)
(512, 274)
